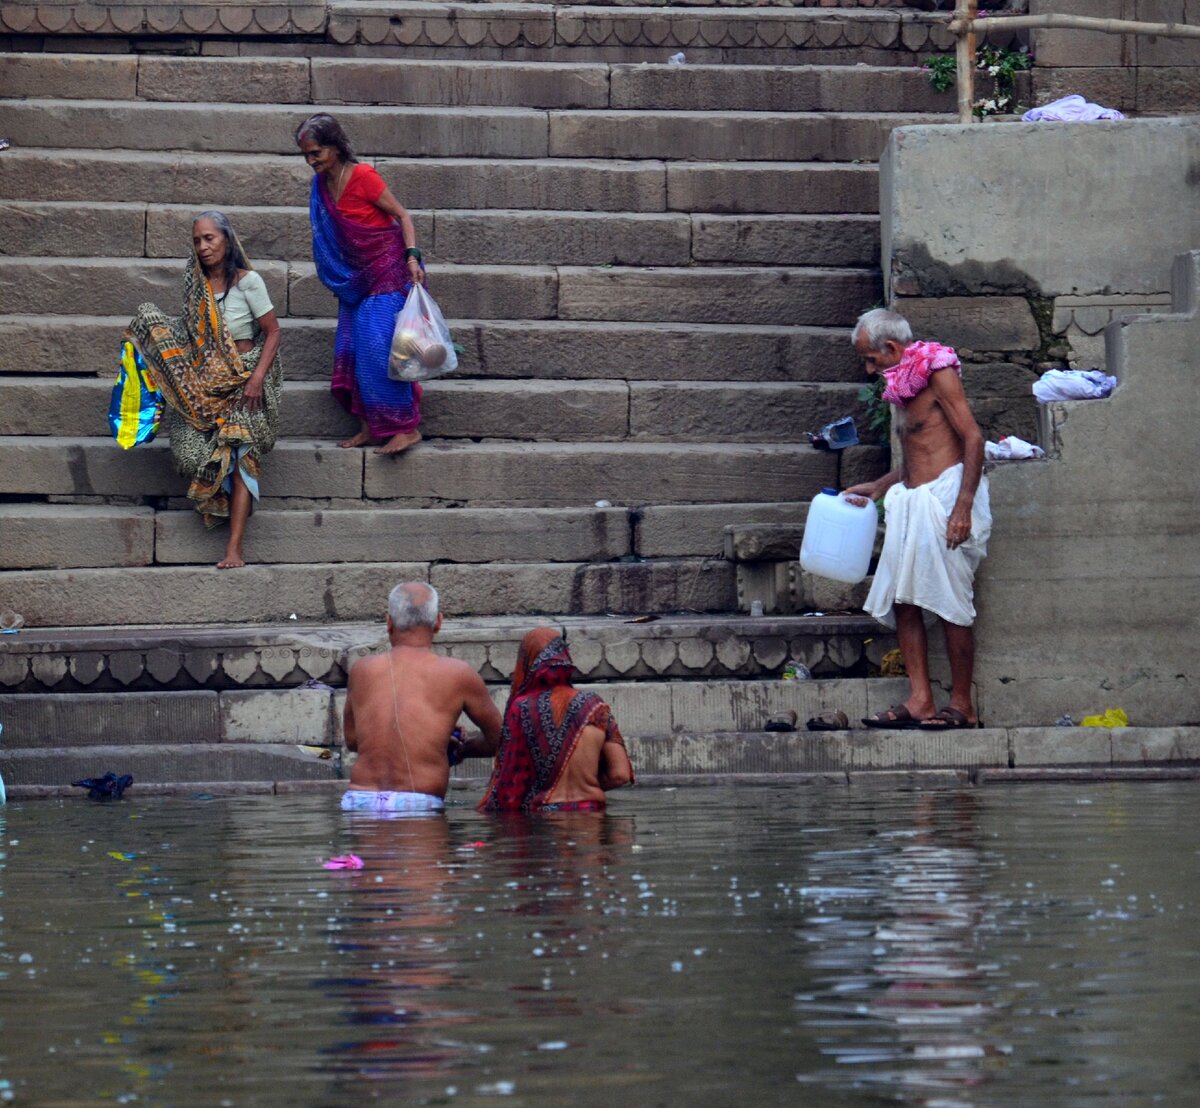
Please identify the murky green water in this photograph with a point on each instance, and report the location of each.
(1009, 946)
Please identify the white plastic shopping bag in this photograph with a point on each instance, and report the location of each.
(421, 343)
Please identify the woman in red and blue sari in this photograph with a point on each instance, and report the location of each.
(365, 248)
(560, 749)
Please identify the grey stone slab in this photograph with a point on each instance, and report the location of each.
(106, 286)
(844, 240)
(1048, 746)
(945, 245)
(835, 88)
(724, 754)
(475, 291)
(154, 176)
(640, 708)
(300, 716)
(662, 351)
(56, 406)
(918, 750)
(821, 297)
(76, 75)
(681, 411)
(632, 587)
(1171, 88)
(266, 232)
(674, 530)
(1155, 744)
(561, 238)
(989, 323)
(57, 229)
(764, 542)
(64, 466)
(49, 536)
(458, 83)
(747, 705)
(412, 535)
(173, 595)
(252, 766)
(254, 80)
(748, 187)
(723, 135)
(538, 184)
(267, 128)
(95, 719)
(547, 474)
(539, 411)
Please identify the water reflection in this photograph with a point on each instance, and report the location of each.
(893, 933)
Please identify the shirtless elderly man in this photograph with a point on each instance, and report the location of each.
(936, 514)
(401, 708)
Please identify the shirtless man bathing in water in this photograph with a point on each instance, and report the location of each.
(401, 708)
(937, 517)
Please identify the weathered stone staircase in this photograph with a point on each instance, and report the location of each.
(651, 268)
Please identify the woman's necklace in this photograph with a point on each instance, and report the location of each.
(341, 181)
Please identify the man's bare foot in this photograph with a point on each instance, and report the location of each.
(234, 559)
(399, 443)
(363, 438)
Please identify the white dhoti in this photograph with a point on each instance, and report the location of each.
(916, 567)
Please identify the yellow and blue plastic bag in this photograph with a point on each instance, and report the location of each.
(136, 406)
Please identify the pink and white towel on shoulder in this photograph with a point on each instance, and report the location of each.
(910, 375)
(915, 566)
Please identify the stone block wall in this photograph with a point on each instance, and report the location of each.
(1068, 235)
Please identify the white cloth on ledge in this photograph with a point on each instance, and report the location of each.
(1011, 448)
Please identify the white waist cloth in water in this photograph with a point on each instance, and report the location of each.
(384, 803)
(915, 566)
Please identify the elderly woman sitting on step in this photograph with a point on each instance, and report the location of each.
(218, 368)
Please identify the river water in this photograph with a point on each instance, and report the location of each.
(1012, 945)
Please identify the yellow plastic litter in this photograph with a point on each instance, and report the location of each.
(892, 665)
(1114, 717)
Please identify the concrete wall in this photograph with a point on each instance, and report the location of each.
(1089, 596)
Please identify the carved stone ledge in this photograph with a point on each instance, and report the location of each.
(204, 17)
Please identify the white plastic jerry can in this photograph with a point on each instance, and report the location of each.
(838, 537)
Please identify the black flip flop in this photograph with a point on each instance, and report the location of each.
(949, 719)
(901, 719)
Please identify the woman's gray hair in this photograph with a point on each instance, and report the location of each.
(880, 326)
(413, 604)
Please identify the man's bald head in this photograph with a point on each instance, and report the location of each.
(413, 604)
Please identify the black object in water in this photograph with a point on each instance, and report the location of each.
(108, 787)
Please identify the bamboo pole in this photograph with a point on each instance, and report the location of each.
(965, 13)
(961, 27)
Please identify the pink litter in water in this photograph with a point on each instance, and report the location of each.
(344, 861)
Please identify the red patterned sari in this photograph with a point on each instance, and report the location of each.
(542, 724)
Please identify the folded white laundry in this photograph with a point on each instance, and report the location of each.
(1011, 448)
(1070, 109)
(1073, 384)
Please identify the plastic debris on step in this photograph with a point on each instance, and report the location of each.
(1070, 109)
(4, 144)
(108, 787)
(892, 664)
(1064, 720)
(344, 861)
(677, 59)
(11, 622)
(795, 671)
(756, 609)
(1113, 717)
(836, 435)
(1073, 384)
(1011, 449)
(603, 504)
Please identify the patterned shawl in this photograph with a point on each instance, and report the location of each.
(201, 374)
(910, 375)
(542, 724)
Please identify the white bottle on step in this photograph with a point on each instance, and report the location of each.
(838, 537)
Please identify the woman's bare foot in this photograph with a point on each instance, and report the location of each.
(399, 443)
(234, 559)
(363, 438)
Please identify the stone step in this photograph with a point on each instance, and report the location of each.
(254, 764)
(462, 132)
(78, 536)
(488, 474)
(358, 591)
(560, 350)
(56, 228)
(778, 295)
(703, 650)
(534, 411)
(409, 82)
(201, 180)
